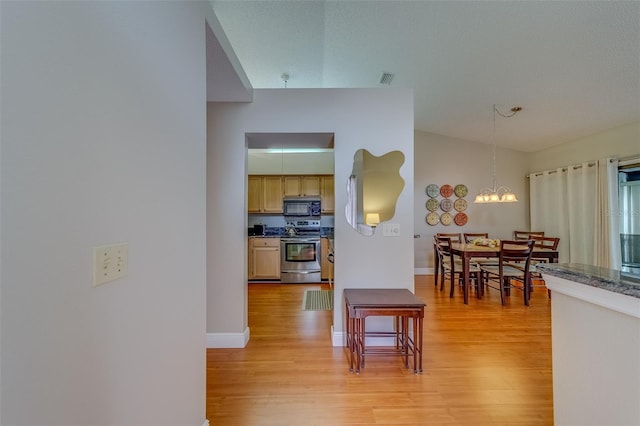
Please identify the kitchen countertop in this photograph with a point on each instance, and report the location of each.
(325, 232)
(621, 282)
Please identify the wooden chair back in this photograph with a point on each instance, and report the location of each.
(469, 237)
(443, 246)
(516, 251)
(455, 238)
(526, 235)
(545, 242)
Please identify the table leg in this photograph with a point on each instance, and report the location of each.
(419, 343)
(405, 340)
(415, 345)
(436, 264)
(349, 333)
(465, 278)
(398, 331)
(361, 343)
(355, 330)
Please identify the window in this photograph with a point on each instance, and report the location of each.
(629, 213)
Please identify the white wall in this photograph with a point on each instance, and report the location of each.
(103, 140)
(377, 120)
(620, 142)
(444, 160)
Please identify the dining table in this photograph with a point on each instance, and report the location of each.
(468, 251)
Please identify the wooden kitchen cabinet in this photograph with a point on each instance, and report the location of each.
(327, 194)
(291, 186)
(264, 258)
(272, 194)
(301, 186)
(264, 194)
(326, 267)
(310, 186)
(254, 194)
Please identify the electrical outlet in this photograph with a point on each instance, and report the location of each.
(391, 229)
(110, 263)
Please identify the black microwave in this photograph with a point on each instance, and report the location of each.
(301, 206)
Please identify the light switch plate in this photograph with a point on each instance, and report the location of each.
(110, 262)
(391, 229)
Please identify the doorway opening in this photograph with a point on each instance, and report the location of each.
(295, 170)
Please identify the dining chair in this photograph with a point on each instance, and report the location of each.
(469, 237)
(526, 235)
(438, 243)
(513, 267)
(455, 237)
(452, 267)
(550, 243)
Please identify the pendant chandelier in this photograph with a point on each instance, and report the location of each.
(495, 194)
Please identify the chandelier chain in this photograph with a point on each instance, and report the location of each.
(494, 194)
(494, 147)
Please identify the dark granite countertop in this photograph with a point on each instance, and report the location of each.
(622, 282)
(325, 232)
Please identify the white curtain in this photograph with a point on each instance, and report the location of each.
(574, 203)
(549, 207)
(607, 229)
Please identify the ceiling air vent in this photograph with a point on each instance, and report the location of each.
(386, 78)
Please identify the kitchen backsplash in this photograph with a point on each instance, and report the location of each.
(275, 225)
(271, 221)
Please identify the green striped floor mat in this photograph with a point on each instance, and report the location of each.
(317, 300)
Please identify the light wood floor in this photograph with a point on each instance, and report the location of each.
(484, 364)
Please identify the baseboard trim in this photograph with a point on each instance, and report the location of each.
(227, 340)
(423, 271)
(338, 338)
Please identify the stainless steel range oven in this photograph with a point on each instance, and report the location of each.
(300, 260)
(300, 252)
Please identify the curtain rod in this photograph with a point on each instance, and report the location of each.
(625, 162)
(563, 169)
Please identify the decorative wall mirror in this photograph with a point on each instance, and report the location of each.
(373, 189)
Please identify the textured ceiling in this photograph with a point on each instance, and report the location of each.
(573, 66)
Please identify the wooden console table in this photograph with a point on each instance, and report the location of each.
(398, 303)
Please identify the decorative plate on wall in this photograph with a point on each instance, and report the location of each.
(460, 219)
(461, 190)
(433, 190)
(446, 191)
(446, 219)
(446, 205)
(432, 204)
(460, 205)
(433, 218)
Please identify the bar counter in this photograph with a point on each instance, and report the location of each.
(595, 332)
(622, 282)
